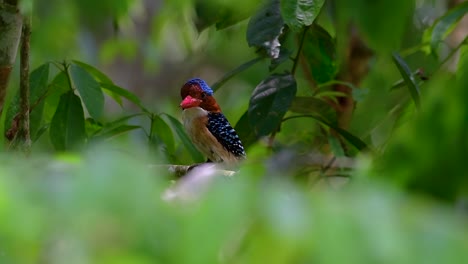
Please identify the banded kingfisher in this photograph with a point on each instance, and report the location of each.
(207, 126)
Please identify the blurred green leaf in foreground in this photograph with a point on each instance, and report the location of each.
(107, 207)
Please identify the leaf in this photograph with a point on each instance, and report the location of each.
(162, 133)
(335, 146)
(116, 131)
(222, 13)
(269, 102)
(265, 28)
(332, 95)
(245, 131)
(312, 105)
(125, 94)
(101, 77)
(40, 132)
(300, 13)
(180, 131)
(57, 87)
(38, 80)
(67, 129)
(320, 54)
(408, 77)
(89, 89)
(355, 141)
(444, 25)
(105, 128)
(207, 14)
(232, 16)
(92, 127)
(38, 88)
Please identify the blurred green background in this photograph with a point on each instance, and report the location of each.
(306, 194)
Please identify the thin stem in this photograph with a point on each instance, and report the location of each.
(329, 164)
(150, 135)
(298, 55)
(411, 50)
(58, 65)
(293, 71)
(451, 54)
(66, 67)
(232, 73)
(333, 82)
(25, 134)
(296, 116)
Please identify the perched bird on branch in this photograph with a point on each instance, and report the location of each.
(206, 125)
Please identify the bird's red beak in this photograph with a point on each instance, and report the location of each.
(189, 102)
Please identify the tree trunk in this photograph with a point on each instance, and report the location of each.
(10, 35)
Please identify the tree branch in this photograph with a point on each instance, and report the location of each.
(25, 136)
(180, 171)
(10, 32)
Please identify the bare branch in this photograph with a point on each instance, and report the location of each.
(24, 85)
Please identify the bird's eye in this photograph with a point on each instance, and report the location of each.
(203, 95)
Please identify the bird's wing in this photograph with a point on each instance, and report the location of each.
(219, 126)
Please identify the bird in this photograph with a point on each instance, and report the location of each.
(206, 125)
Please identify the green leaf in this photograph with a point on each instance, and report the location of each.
(38, 88)
(57, 87)
(40, 132)
(67, 129)
(106, 127)
(320, 54)
(222, 13)
(245, 131)
(312, 105)
(92, 127)
(101, 77)
(354, 140)
(180, 131)
(232, 16)
(116, 131)
(38, 80)
(207, 14)
(162, 134)
(408, 77)
(335, 146)
(300, 13)
(462, 77)
(444, 25)
(265, 28)
(125, 94)
(269, 102)
(89, 89)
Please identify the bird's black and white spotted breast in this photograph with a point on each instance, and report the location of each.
(219, 126)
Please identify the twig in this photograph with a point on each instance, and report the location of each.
(25, 134)
(450, 55)
(232, 73)
(329, 164)
(301, 44)
(181, 170)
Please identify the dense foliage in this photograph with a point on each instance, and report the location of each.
(354, 120)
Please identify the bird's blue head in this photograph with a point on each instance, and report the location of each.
(203, 85)
(196, 93)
